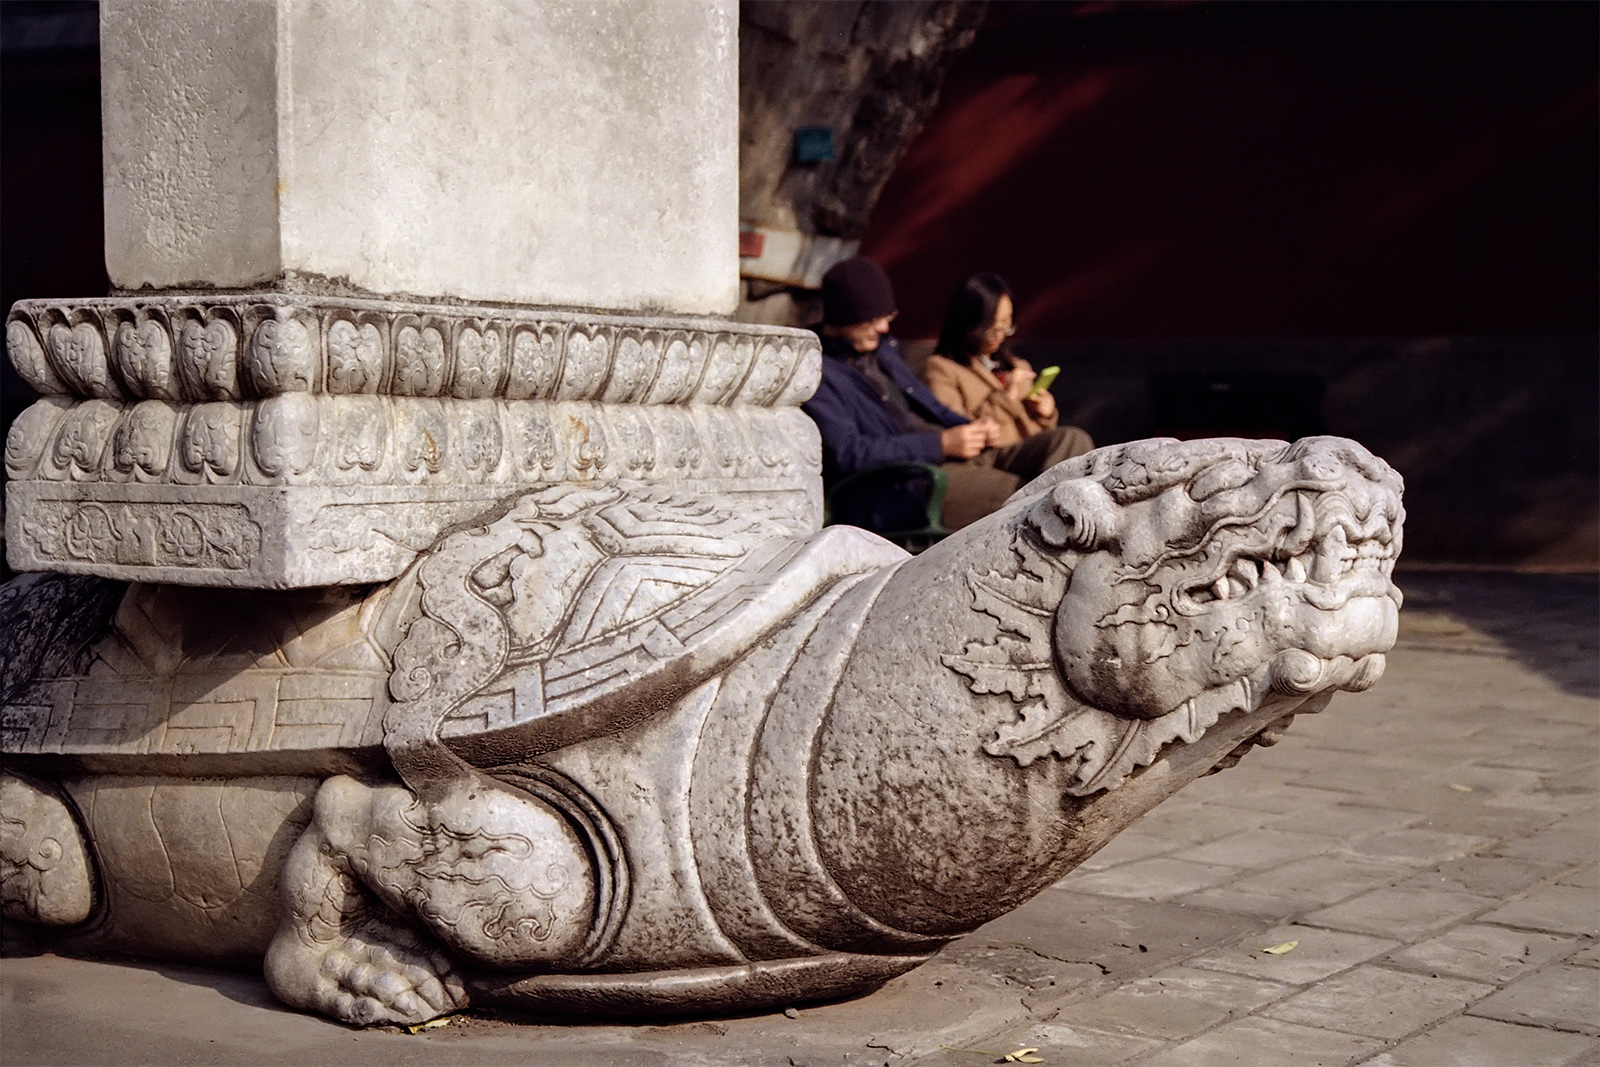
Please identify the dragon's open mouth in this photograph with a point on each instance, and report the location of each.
(1331, 553)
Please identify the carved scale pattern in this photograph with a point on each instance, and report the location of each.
(267, 345)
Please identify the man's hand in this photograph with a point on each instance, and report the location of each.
(966, 441)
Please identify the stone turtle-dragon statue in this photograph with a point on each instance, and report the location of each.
(612, 750)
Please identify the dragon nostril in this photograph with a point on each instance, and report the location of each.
(1295, 671)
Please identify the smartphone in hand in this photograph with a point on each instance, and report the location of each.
(1042, 382)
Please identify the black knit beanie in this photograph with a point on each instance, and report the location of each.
(855, 291)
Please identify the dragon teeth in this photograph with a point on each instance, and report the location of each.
(1295, 571)
(1245, 571)
(1329, 562)
(1220, 588)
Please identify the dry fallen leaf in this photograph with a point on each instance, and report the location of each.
(1278, 950)
(1023, 1055)
(443, 1020)
(1459, 788)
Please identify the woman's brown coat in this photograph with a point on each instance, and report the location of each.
(977, 394)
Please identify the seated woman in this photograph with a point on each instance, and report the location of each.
(973, 371)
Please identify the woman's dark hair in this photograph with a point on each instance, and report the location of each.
(971, 312)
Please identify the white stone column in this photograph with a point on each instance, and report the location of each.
(382, 264)
(527, 151)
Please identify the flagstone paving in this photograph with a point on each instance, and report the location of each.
(1408, 880)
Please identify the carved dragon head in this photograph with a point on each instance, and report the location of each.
(1161, 585)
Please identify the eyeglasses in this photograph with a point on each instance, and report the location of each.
(999, 333)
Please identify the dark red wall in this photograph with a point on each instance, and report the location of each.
(1217, 169)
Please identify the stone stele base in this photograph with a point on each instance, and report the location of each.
(270, 440)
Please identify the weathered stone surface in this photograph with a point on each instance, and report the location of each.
(1564, 909)
(1265, 1040)
(1558, 996)
(517, 155)
(1317, 954)
(271, 441)
(1401, 911)
(1175, 1003)
(620, 748)
(1465, 1042)
(1482, 952)
(1158, 878)
(1318, 880)
(1376, 1000)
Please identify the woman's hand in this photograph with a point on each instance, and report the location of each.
(1042, 406)
(1020, 379)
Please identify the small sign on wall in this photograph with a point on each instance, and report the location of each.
(813, 144)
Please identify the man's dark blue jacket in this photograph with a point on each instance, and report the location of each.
(859, 431)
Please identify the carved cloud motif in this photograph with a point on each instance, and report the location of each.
(82, 437)
(79, 353)
(1101, 749)
(31, 435)
(210, 355)
(355, 357)
(280, 358)
(284, 437)
(480, 363)
(143, 443)
(419, 361)
(210, 441)
(144, 355)
(27, 355)
(535, 362)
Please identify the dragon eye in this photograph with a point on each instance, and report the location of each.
(1079, 514)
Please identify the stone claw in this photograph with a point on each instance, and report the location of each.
(45, 875)
(378, 975)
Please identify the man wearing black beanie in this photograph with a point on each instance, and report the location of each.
(872, 412)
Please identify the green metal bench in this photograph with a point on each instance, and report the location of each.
(847, 501)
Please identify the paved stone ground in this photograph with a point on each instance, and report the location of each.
(1428, 849)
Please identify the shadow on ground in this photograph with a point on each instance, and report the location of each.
(1549, 622)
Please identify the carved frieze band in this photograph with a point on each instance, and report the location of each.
(138, 535)
(265, 345)
(279, 538)
(300, 439)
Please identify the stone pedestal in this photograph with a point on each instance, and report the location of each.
(273, 441)
(259, 406)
